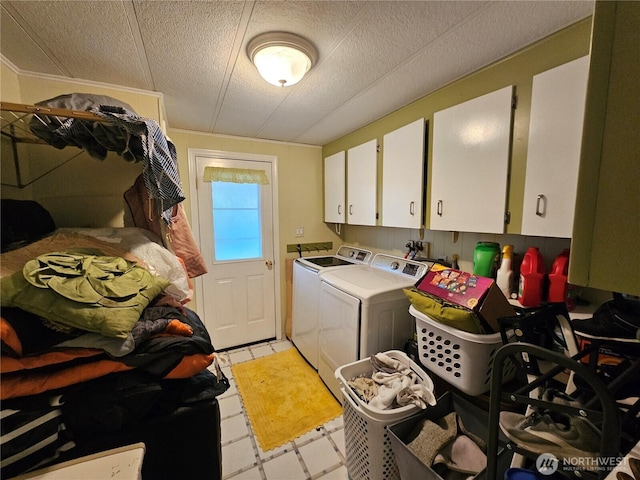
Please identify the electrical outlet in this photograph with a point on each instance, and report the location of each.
(442, 258)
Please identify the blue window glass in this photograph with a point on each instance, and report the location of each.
(237, 224)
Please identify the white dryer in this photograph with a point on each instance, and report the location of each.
(306, 289)
(363, 311)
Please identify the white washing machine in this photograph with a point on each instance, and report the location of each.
(363, 311)
(306, 289)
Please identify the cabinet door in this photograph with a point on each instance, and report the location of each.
(334, 188)
(471, 147)
(362, 179)
(604, 247)
(403, 176)
(553, 152)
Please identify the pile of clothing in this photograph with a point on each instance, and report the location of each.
(392, 384)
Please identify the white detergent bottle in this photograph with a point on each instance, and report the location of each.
(504, 278)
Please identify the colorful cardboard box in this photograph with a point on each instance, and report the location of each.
(476, 293)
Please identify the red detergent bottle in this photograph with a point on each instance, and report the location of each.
(558, 278)
(531, 278)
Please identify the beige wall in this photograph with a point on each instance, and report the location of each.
(9, 92)
(76, 188)
(9, 84)
(35, 88)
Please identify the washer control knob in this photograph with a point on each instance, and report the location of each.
(395, 265)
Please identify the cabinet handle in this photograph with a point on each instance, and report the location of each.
(339, 212)
(439, 208)
(412, 208)
(541, 205)
(350, 209)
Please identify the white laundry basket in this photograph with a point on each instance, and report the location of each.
(368, 450)
(462, 359)
(369, 455)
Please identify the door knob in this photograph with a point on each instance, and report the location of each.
(269, 263)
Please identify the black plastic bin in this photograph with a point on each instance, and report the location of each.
(474, 419)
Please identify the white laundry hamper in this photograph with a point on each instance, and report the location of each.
(463, 359)
(369, 454)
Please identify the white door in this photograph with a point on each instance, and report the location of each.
(235, 229)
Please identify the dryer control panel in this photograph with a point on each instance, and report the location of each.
(355, 254)
(399, 266)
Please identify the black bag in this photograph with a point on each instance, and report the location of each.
(23, 221)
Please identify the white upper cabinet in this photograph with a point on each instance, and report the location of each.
(553, 153)
(334, 188)
(471, 150)
(362, 183)
(403, 176)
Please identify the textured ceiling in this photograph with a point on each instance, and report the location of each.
(374, 56)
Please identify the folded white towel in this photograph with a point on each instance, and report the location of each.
(397, 384)
(383, 378)
(416, 394)
(388, 389)
(384, 363)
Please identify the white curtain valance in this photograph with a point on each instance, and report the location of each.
(235, 175)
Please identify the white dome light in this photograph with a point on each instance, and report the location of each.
(282, 59)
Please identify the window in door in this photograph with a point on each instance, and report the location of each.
(237, 228)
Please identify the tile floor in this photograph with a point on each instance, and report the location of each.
(316, 455)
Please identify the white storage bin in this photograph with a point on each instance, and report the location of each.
(364, 368)
(462, 359)
(368, 450)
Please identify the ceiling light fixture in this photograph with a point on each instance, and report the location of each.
(282, 58)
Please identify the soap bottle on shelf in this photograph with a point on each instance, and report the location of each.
(558, 278)
(531, 278)
(504, 277)
(485, 259)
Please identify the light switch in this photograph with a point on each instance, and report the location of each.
(299, 231)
